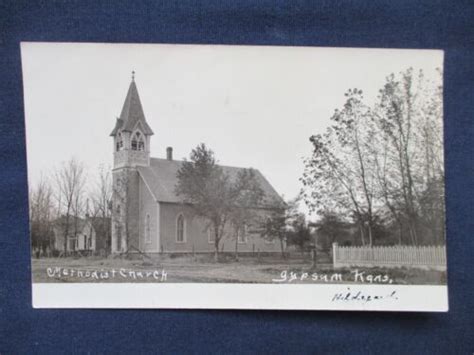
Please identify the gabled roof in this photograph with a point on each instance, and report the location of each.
(132, 113)
(160, 177)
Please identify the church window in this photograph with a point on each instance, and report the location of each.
(119, 144)
(147, 229)
(211, 236)
(242, 234)
(138, 142)
(180, 237)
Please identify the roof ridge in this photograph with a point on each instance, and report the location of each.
(162, 173)
(223, 166)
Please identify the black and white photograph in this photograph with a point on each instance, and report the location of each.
(218, 176)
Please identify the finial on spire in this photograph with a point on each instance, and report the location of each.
(133, 75)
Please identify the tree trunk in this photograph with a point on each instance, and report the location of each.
(412, 228)
(237, 248)
(400, 232)
(216, 248)
(66, 232)
(282, 249)
(362, 234)
(370, 234)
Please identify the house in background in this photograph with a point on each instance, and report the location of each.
(101, 227)
(81, 235)
(146, 207)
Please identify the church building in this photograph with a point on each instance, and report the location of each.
(146, 207)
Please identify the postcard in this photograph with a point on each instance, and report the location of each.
(235, 177)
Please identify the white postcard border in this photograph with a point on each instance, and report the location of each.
(423, 298)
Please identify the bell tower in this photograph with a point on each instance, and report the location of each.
(131, 133)
(131, 147)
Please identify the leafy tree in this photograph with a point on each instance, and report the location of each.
(332, 226)
(299, 234)
(242, 216)
(278, 224)
(339, 175)
(409, 121)
(382, 166)
(216, 196)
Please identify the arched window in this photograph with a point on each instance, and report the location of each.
(119, 142)
(180, 237)
(242, 234)
(147, 229)
(119, 210)
(138, 143)
(211, 236)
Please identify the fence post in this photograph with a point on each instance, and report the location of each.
(334, 254)
(313, 257)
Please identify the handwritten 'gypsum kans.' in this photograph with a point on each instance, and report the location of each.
(60, 272)
(353, 276)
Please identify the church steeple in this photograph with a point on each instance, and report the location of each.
(131, 132)
(132, 112)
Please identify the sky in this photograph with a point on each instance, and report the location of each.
(254, 106)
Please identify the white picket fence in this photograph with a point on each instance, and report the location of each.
(429, 257)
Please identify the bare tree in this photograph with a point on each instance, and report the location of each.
(101, 197)
(41, 213)
(70, 181)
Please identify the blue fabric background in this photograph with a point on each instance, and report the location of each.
(366, 23)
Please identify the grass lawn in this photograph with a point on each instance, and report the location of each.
(203, 269)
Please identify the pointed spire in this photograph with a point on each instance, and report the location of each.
(132, 112)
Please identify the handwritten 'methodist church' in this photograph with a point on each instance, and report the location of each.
(146, 207)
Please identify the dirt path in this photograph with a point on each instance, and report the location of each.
(177, 270)
(187, 269)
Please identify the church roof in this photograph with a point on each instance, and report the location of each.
(160, 177)
(132, 113)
